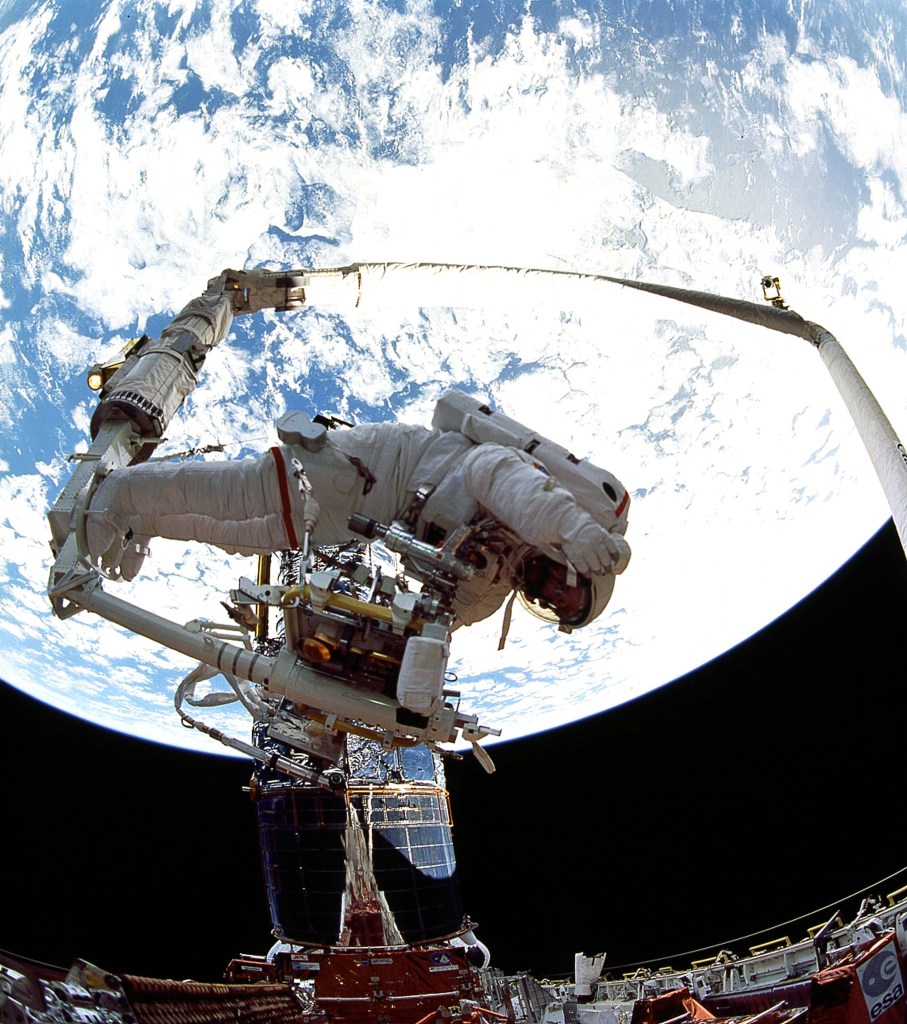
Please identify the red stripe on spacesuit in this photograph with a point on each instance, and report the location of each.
(285, 497)
(623, 504)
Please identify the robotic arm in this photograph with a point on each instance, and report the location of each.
(140, 395)
(158, 375)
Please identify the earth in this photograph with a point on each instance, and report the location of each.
(149, 145)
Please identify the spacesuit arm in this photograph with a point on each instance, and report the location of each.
(524, 496)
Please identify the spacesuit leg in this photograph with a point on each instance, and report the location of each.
(236, 506)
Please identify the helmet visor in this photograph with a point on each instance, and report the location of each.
(547, 592)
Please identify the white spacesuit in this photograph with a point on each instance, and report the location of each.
(562, 555)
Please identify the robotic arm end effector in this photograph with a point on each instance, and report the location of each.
(254, 290)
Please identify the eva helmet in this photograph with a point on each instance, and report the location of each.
(546, 591)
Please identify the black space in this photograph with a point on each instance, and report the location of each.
(764, 786)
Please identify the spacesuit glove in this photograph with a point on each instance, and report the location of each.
(593, 550)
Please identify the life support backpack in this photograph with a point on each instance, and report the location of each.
(596, 490)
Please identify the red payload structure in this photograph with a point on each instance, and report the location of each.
(362, 987)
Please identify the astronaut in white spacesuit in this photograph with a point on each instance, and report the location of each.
(560, 553)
